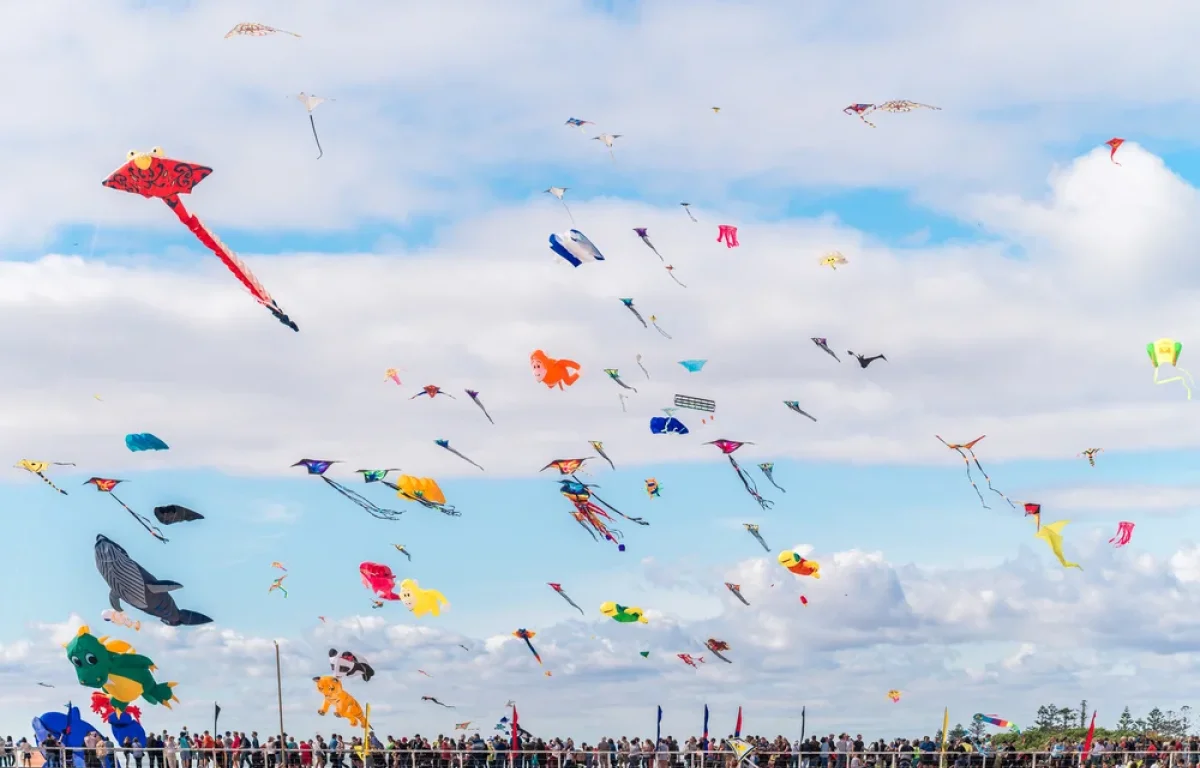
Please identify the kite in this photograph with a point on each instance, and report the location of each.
(1168, 351)
(798, 565)
(279, 565)
(693, 366)
(1115, 144)
(435, 701)
(615, 375)
(578, 123)
(1035, 511)
(900, 105)
(256, 30)
(121, 618)
(46, 685)
(575, 491)
(318, 467)
(690, 660)
(379, 578)
(662, 425)
(116, 668)
(803, 600)
(996, 721)
(716, 110)
(742, 749)
(624, 614)
(653, 321)
(623, 398)
(173, 513)
(768, 469)
(894, 695)
(860, 111)
(642, 232)
(864, 361)
(565, 466)
(727, 447)
(795, 406)
(1090, 455)
(39, 468)
(716, 646)
(344, 705)
(687, 207)
(969, 448)
(823, 343)
(393, 375)
(310, 103)
(652, 488)
(1124, 534)
(106, 485)
(753, 531)
(425, 491)
(401, 549)
(527, 636)
(559, 192)
(639, 362)
(575, 248)
(598, 447)
(376, 475)
(671, 271)
(695, 403)
(553, 373)
(421, 601)
(1051, 533)
(446, 444)
(475, 399)
(347, 664)
(644, 654)
(432, 391)
(150, 174)
(144, 441)
(608, 139)
(589, 516)
(376, 604)
(135, 585)
(558, 588)
(278, 584)
(832, 260)
(462, 726)
(727, 234)
(629, 305)
(736, 589)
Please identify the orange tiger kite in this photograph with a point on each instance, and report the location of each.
(553, 372)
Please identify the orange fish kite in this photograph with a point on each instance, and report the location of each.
(798, 565)
(551, 372)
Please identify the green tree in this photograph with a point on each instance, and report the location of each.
(1139, 725)
(957, 732)
(1083, 716)
(1066, 718)
(1185, 720)
(1155, 721)
(1125, 724)
(1046, 717)
(977, 730)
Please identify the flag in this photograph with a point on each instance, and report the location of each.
(704, 743)
(803, 718)
(658, 729)
(516, 743)
(737, 729)
(945, 734)
(742, 749)
(1087, 744)
(216, 715)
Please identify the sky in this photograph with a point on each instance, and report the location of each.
(1011, 272)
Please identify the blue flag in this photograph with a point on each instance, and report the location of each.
(704, 743)
(658, 729)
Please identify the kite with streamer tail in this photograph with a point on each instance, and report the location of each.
(39, 468)
(277, 584)
(1114, 145)
(752, 529)
(629, 305)
(996, 721)
(589, 516)
(425, 491)
(860, 111)
(795, 406)
(446, 444)
(823, 343)
(106, 485)
(435, 701)
(657, 327)
(727, 447)
(598, 447)
(375, 475)
(1051, 533)
(608, 139)
(671, 271)
(150, 174)
(559, 192)
(527, 636)
(736, 589)
(559, 589)
(727, 234)
(639, 362)
(1168, 351)
(969, 449)
(1090, 455)
(403, 550)
(717, 646)
(475, 399)
(252, 29)
(615, 375)
(1124, 534)
(318, 467)
(310, 103)
(687, 208)
(577, 123)
(643, 233)
(768, 469)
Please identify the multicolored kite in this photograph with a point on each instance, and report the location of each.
(475, 399)
(318, 467)
(558, 588)
(1168, 351)
(106, 485)
(969, 448)
(1090, 455)
(727, 447)
(768, 469)
(598, 447)
(752, 529)
(527, 636)
(39, 468)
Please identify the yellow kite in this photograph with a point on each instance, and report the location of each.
(1051, 533)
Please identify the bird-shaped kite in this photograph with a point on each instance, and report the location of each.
(559, 192)
(39, 468)
(106, 485)
(565, 466)
(795, 406)
(475, 399)
(969, 448)
(823, 343)
(278, 584)
(1124, 534)
(768, 469)
(728, 447)
(558, 588)
(432, 391)
(598, 447)
(736, 589)
(1051, 533)
(150, 174)
(629, 305)
(253, 29)
(608, 139)
(318, 467)
(864, 361)
(687, 207)
(752, 529)
(527, 636)
(1090, 455)
(1114, 144)
(310, 103)
(643, 233)
(716, 646)
(446, 444)
(576, 122)
(832, 260)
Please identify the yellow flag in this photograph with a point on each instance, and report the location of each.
(945, 735)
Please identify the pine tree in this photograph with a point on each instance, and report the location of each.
(1155, 722)
(1125, 723)
(1083, 718)
(957, 732)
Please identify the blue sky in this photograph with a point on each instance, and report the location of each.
(1010, 272)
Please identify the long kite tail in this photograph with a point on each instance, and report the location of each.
(572, 602)
(748, 482)
(229, 259)
(967, 462)
(152, 530)
(989, 480)
(46, 480)
(611, 508)
(564, 202)
(771, 480)
(372, 508)
(485, 413)
(314, 127)
(464, 458)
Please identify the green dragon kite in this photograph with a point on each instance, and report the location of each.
(114, 667)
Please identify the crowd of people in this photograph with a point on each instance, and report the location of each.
(237, 750)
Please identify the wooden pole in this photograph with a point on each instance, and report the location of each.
(279, 695)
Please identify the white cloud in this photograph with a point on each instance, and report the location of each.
(1145, 499)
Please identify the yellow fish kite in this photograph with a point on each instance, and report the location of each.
(833, 259)
(1051, 533)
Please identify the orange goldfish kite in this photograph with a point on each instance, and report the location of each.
(551, 372)
(798, 565)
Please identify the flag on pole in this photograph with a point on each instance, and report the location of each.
(516, 743)
(803, 718)
(216, 715)
(737, 728)
(658, 728)
(1087, 744)
(945, 734)
(704, 743)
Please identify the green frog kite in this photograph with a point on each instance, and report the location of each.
(114, 667)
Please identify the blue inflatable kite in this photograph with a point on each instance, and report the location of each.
(662, 425)
(575, 247)
(693, 366)
(144, 441)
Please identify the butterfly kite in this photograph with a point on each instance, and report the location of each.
(151, 174)
(969, 448)
(319, 467)
(1124, 534)
(558, 588)
(39, 468)
(106, 485)
(728, 447)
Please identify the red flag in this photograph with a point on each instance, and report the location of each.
(1087, 744)
(516, 743)
(737, 729)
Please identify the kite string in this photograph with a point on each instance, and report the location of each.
(748, 482)
(366, 504)
(145, 523)
(989, 480)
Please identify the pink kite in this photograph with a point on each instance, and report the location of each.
(728, 235)
(1124, 534)
(861, 111)
(1115, 144)
(379, 579)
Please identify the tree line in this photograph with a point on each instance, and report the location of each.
(1170, 724)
